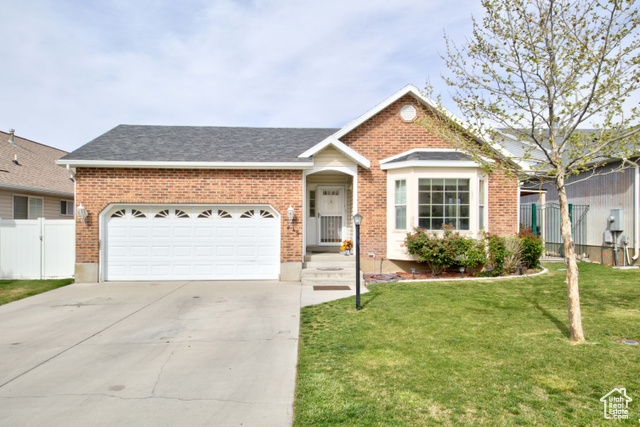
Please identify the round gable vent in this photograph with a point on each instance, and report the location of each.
(408, 112)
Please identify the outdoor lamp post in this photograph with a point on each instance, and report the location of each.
(357, 220)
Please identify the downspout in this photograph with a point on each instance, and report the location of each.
(636, 215)
(73, 175)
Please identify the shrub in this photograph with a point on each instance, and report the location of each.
(496, 254)
(440, 253)
(532, 248)
(512, 253)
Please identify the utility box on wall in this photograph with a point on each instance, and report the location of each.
(616, 217)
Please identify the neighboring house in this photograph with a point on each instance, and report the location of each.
(178, 202)
(593, 195)
(31, 184)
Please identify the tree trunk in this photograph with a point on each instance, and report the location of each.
(573, 293)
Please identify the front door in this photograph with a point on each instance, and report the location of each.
(331, 211)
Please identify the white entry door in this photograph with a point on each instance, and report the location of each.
(331, 213)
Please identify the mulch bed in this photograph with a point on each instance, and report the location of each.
(400, 275)
(422, 275)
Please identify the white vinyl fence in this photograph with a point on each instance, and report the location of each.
(37, 248)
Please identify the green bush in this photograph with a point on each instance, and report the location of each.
(502, 255)
(449, 250)
(532, 248)
(496, 254)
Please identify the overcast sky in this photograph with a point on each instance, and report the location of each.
(72, 70)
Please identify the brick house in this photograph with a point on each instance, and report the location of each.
(172, 202)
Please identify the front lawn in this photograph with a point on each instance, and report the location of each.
(471, 353)
(13, 290)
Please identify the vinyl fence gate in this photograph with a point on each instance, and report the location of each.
(37, 249)
(545, 221)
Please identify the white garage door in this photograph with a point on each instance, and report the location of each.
(191, 243)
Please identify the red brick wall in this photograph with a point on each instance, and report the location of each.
(96, 188)
(386, 135)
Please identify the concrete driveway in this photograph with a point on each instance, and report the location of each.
(151, 354)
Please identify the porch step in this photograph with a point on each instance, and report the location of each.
(329, 257)
(320, 273)
(320, 277)
(320, 264)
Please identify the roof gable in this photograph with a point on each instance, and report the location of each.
(341, 147)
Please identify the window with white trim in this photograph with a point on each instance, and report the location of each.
(400, 203)
(66, 207)
(312, 203)
(481, 204)
(25, 207)
(443, 201)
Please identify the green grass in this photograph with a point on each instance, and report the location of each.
(13, 290)
(471, 353)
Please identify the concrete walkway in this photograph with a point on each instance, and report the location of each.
(151, 354)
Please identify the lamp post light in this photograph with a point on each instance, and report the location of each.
(357, 220)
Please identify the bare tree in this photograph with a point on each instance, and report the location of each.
(533, 75)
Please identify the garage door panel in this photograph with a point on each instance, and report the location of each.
(182, 251)
(204, 271)
(139, 251)
(159, 271)
(204, 231)
(182, 231)
(225, 231)
(138, 232)
(225, 270)
(183, 271)
(139, 271)
(116, 231)
(246, 231)
(160, 251)
(268, 232)
(161, 231)
(204, 251)
(167, 247)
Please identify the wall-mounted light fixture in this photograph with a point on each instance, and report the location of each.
(81, 213)
(290, 214)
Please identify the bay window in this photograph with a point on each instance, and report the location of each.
(443, 201)
(401, 204)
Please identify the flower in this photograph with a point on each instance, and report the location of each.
(347, 245)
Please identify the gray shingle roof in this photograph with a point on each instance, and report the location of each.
(36, 166)
(434, 155)
(200, 144)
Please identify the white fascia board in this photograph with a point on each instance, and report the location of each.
(431, 150)
(416, 150)
(184, 165)
(430, 163)
(37, 190)
(340, 146)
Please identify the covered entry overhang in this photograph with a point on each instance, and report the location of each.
(330, 194)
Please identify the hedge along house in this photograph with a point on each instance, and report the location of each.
(172, 202)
